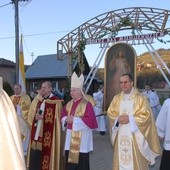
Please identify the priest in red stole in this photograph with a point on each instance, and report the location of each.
(45, 143)
(78, 119)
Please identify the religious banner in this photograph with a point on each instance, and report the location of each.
(120, 59)
(134, 39)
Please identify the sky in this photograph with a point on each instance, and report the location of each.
(44, 22)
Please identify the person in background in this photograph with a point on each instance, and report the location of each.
(101, 119)
(44, 119)
(33, 94)
(39, 95)
(22, 102)
(163, 128)
(78, 119)
(153, 100)
(133, 131)
(11, 151)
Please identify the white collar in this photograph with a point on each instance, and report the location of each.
(127, 96)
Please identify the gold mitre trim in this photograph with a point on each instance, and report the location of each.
(77, 82)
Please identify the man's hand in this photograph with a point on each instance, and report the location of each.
(123, 119)
(69, 119)
(38, 117)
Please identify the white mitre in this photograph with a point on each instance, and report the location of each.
(77, 82)
(1, 83)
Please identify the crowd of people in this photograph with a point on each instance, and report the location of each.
(53, 136)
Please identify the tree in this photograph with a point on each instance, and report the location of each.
(8, 89)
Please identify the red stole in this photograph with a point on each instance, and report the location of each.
(33, 129)
(48, 128)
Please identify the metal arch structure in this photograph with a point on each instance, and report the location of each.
(150, 20)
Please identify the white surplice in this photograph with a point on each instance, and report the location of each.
(163, 124)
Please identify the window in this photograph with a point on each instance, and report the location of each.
(55, 86)
(35, 85)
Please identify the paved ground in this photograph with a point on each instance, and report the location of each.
(101, 157)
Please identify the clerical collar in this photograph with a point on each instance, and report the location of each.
(77, 100)
(17, 95)
(127, 96)
(47, 97)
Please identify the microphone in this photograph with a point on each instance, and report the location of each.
(39, 112)
(65, 124)
(117, 124)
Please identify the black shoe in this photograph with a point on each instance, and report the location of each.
(102, 133)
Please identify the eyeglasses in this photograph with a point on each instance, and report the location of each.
(124, 82)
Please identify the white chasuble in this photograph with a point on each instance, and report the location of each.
(125, 138)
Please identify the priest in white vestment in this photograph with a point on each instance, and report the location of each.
(133, 131)
(163, 128)
(98, 109)
(11, 152)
